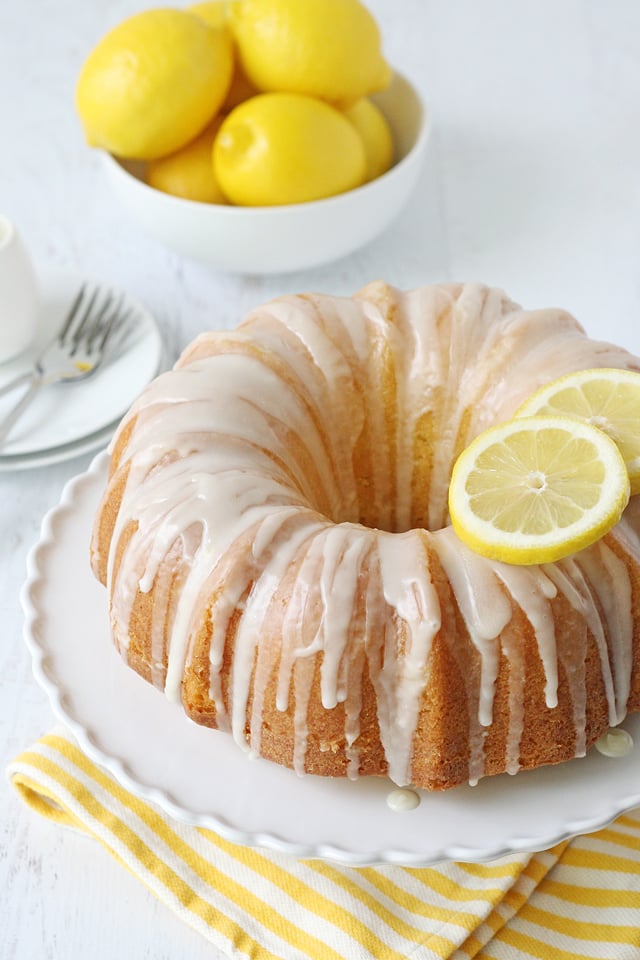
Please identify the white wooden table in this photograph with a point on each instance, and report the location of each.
(532, 184)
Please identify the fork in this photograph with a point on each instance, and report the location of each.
(89, 332)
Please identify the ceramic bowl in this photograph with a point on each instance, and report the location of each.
(284, 238)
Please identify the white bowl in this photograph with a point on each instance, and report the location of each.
(284, 238)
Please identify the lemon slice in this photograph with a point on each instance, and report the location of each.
(536, 489)
(607, 398)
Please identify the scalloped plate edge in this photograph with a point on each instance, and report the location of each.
(117, 766)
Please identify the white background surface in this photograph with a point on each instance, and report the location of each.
(532, 184)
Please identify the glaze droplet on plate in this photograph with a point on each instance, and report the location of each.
(403, 799)
(615, 743)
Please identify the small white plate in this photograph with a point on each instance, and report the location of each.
(66, 451)
(63, 414)
(200, 776)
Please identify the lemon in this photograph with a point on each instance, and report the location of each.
(188, 172)
(372, 126)
(153, 83)
(280, 148)
(536, 489)
(606, 397)
(214, 12)
(325, 48)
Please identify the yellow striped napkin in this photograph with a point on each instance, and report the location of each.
(577, 901)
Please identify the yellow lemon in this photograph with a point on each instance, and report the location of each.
(188, 172)
(325, 48)
(280, 148)
(214, 12)
(537, 489)
(372, 126)
(606, 397)
(153, 83)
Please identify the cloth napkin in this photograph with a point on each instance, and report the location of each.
(576, 901)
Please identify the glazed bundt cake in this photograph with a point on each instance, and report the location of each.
(275, 543)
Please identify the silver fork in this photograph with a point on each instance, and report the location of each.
(90, 330)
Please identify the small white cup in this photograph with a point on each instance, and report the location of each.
(18, 294)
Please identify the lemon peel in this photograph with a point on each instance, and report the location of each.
(153, 83)
(282, 148)
(214, 12)
(188, 173)
(372, 125)
(329, 49)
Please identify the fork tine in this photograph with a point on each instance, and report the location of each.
(71, 314)
(103, 319)
(115, 323)
(78, 331)
(109, 317)
(119, 333)
(89, 335)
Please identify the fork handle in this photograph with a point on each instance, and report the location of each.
(8, 423)
(17, 382)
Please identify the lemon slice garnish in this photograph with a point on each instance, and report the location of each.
(607, 398)
(536, 489)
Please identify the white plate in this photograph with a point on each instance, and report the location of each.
(64, 414)
(66, 451)
(202, 777)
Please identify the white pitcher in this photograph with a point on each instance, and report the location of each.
(18, 293)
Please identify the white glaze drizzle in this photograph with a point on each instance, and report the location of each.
(485, 609)
(571, 582)
(242, 463)
(611, 584)
(407, 589)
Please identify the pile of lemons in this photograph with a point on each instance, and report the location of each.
(249, 102)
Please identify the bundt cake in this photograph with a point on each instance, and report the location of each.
(275, 543)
